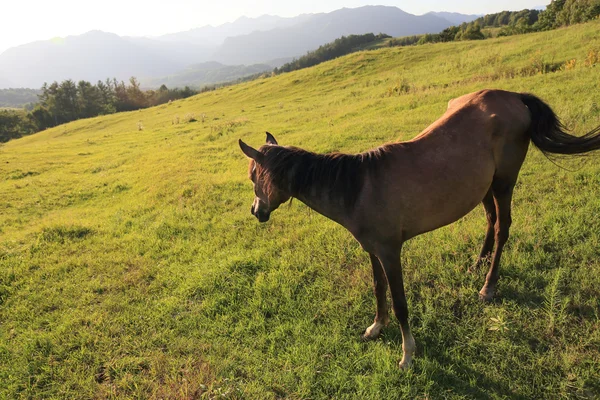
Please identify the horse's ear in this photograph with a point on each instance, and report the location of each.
(250, 152)
(271, 139)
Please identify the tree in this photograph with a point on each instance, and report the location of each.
(40, 118)
(9, 126)
(13, 124)
(89, 101)
(66, 107)
(136, 97)
(548, 17)
(473, 32)
(107, 97)
(448, 34)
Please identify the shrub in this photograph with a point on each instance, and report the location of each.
(593, 57)
(570, 64)
(402, 87)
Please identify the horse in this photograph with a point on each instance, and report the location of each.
(472, 154)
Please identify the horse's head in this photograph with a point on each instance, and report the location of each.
(267, 195)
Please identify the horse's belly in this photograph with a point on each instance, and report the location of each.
(447, 216)
(445, 202)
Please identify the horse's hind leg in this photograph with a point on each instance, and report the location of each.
(380, 287)
(488, 242)
(502, 191)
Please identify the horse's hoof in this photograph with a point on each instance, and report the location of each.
(408, 350)
(486, 294)
(373, 332)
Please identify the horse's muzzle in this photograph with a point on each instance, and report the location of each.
(260, 215)
(263, 217)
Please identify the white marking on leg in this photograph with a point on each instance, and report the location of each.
(408, 349)
(487, 293)
(374, 330)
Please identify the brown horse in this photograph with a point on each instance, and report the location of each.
(471, 155)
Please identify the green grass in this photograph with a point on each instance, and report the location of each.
(130, 266)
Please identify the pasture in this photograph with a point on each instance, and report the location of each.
(130, 266)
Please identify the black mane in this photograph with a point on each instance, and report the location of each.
(337, 175)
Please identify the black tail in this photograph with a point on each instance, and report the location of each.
(550, 135)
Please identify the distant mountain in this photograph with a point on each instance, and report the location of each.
(92, 56)
(455, 18)
(18, 97)
(181, 53)
(206, 73)
(268, 39)
(214, 36)
(322, 28)
(278, 62)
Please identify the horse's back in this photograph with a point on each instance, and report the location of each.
(511, 120)
(506, 109)
(493, 121)
(447, 170)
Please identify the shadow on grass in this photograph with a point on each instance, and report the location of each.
(529, 299)
(459, 381)
(459, 378)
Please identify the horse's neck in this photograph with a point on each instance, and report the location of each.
(324, 205)
(319, 198)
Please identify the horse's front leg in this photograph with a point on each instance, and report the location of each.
(380, 285)
(390, 260)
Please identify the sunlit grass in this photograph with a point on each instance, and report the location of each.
(130, 265)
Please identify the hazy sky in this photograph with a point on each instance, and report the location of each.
(27, 21)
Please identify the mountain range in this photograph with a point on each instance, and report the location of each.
(260, 46)
(267, 40)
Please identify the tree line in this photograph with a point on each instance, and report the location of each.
(67, 101)
(568, 12)
(339, 47)
(511, 22)
(557, 14)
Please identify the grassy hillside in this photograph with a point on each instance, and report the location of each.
(130, 266)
